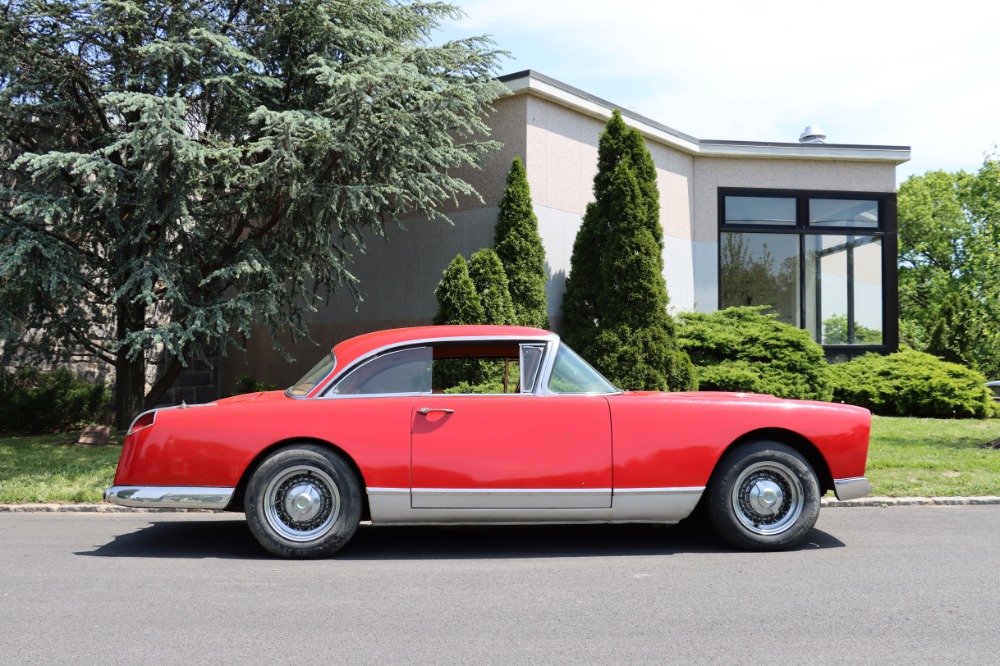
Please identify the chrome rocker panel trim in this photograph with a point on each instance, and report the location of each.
(393, 506)
(169, 497)
(853, 488)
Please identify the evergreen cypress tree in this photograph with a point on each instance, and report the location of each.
(458, 302)
(490, 281)
(172, 174)
(519, 247)
(615, 306)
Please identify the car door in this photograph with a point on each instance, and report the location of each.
(515, 451)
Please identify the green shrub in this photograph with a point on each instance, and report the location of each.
(491, 284)
(32, 401)
(743, 349)
(911, 383)
(458, 302)
(248, 384)
(644, 359)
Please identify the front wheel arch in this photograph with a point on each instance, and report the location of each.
(793, 440)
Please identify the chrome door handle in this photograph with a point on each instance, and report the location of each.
(428, 410)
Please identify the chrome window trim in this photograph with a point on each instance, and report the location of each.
(169, 497)
(377, 357)
(538, 371)
(326, 385)
(551, 342)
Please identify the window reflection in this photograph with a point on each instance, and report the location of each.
(761, 269)
(844, 289)
(760, 210)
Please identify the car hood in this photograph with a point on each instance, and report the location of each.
(264, 396)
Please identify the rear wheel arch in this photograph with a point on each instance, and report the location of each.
(236, 503)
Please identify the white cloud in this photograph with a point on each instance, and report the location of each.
(882, 72)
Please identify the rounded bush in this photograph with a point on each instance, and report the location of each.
(32, 401)
(744, 349)
(911, 383)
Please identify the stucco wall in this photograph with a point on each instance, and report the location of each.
(398, 275)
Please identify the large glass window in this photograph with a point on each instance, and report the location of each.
(761, 269)
(816, 260)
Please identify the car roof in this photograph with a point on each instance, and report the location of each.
(353, 348)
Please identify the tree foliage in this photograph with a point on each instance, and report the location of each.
(747, 349)
(458, 302)
(949, 269)
(615, 306)
(520, 249)
(488, 276)
(176, 172)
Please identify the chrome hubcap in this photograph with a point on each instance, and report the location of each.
(767, 498)
(301, 503)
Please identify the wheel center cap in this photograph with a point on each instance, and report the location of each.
(303, 502)
(766, 497)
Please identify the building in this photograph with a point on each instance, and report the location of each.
(806, 228)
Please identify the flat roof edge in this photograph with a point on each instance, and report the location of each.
(536, 83)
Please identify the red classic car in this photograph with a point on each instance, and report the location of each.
(490, 424)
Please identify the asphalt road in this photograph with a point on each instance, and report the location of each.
(900, 585)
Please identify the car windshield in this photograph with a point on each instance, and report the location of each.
(314, 376)
(571, 374)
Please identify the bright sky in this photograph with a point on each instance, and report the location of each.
(918, 74)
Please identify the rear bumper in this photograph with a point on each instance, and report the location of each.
(169, 497)
(853, 488)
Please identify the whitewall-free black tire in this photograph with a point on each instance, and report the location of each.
(303, 501)
(763, 496)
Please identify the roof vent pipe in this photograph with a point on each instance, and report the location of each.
(812, 134)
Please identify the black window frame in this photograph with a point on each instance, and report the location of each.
(886, 232)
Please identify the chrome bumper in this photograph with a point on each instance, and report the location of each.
(848, 489)
(169, 497)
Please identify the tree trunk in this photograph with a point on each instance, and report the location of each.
(130, 374)
(163, 384)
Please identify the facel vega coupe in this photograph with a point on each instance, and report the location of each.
(490, 425)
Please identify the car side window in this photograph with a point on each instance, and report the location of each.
(476, 369)
(571, 374)
(405, 371)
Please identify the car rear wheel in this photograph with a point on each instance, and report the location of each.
(763, 496)
(303, 501)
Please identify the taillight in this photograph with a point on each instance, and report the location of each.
(144, 420)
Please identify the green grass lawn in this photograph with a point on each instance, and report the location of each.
(53, 468)
(908, 458)
(933, 457)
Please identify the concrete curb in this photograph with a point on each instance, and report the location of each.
(911, 501)
(827, 502)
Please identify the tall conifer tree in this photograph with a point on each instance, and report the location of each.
(173, 173)
(615, 306)
(519, 247)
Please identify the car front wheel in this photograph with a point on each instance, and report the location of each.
(764, 496)
(303, 502)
